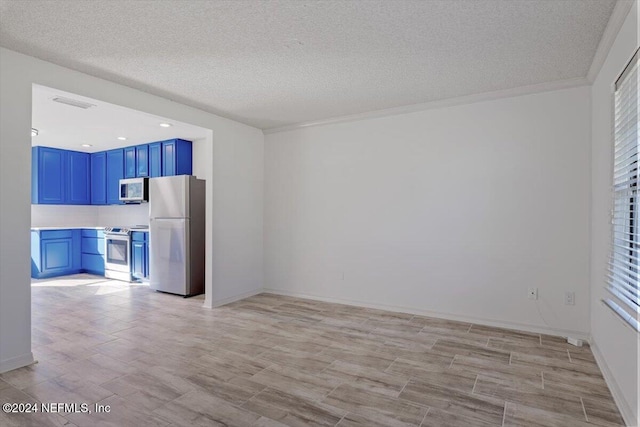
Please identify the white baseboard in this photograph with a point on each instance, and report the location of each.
(625, 408)
(449, 316)
(224, 301)
(16, 362)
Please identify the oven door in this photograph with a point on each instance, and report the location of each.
(117, 252)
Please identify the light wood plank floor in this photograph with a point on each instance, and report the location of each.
(270, 360)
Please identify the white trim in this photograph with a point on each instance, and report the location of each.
(16, 362)
(625, 408)
(449, 316)
(224, 301)
(449, 102)
(618, 16)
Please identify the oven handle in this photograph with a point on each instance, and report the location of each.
(116, 237)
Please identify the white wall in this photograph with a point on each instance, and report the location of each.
(233, 169)
(615, 344)
(453, 211)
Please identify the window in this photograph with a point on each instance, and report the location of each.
(624, 264)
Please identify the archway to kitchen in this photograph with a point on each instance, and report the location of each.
(236, 176)
(74, 140)
(85, 130)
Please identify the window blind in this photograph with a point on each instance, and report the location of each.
(624, 262)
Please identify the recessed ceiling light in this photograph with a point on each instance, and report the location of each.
(87, 145)
(122, 138)
(165, 125)
(34, 132)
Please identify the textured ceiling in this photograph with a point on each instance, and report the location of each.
(275, 63)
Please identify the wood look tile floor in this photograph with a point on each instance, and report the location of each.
(268, 360)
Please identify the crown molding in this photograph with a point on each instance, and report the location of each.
(618, 16)
(449, 102)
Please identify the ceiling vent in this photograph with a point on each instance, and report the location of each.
(72, 102)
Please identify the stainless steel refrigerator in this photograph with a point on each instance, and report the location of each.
(176, 240)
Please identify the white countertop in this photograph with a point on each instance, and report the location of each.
(65, 228)
(78, 228)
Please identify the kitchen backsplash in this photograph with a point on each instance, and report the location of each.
(64, 215)
(89, 216)
(123, 215)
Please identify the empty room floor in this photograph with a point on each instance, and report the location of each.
(271, 360)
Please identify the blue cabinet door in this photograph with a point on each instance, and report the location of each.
(155, 159)
(130, 162)
(48, 178)
(92, 263)
(93, 249)
(115, 172)
(60, 177)
(78, 178)
(138, 257)
(142, 160)
(57, 252)
(99, 178)
(56, 255)
(76, 255)
(176, 157)
(146, 261)
(168, 158)
(36, 259)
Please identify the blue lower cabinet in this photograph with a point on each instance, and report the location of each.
(93, 249)
(92, 263)
(146, 263)
(67, 251)
(139, 255)
(55, 253)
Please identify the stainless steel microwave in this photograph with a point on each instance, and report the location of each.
(134, 190)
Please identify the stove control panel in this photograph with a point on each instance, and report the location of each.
(117, 230)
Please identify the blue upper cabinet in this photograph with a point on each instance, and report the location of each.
(130, 162)
(142, 160)
(60, 177)
(78, 178)
(155, 159)
(176, 157)
(99, 178)
(115, 172)
(48, 178)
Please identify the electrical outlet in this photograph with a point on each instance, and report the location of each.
(569, 298)
(532, 293)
